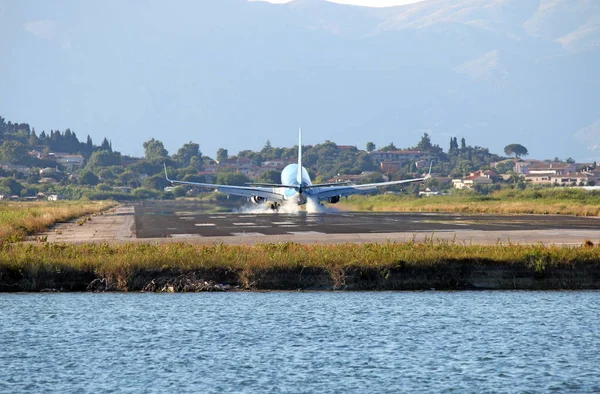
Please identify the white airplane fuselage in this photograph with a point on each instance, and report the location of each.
(296, 186)
(289, 177)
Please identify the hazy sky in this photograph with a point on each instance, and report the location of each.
(364, 3)
(233, 74)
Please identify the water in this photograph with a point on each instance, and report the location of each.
(301, 342)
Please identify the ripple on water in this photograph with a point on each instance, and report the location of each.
(301, 342)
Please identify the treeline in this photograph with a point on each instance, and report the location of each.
(18, 139)
(107, 169)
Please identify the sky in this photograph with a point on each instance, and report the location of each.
(363, 3)
(233, 74)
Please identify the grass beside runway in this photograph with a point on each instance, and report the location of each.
(561, 201)
(19, 219)
(290, 266)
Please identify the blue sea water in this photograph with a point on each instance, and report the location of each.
(465, 342)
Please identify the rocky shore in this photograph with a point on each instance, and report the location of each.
(452, 275)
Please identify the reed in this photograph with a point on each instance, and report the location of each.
(19, 219)
(121, 264)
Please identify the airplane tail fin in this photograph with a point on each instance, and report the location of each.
(299, 174)
(429, 174)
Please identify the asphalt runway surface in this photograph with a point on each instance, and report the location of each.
(187, 219)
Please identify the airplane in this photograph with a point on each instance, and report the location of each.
(296, 186)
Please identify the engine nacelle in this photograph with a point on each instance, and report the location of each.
(258, 200)
(333, 199)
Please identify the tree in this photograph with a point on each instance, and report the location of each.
(33, 139)
(104, 158)
(222, 155)
(370, 147)
(187, 152)
(453, 146)
(154, 150)
(8, 185)
(515, 149)
(270, 176)
(389, 147)
(268, 151)
(425, 143)
(155, 182)
(106, 145)
(13, 152)
(232, 178)
(503, 168)
(87, 177)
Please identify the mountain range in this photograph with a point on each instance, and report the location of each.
(233, 74)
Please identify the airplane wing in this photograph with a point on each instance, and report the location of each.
(267, 193)
(323, 193)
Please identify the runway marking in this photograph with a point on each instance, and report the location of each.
(244, 224)
(248, 234)
(184, 235)
(204, 224)
(304, 232)
(282, 223)
(187, 218)
(218, 217)
(172, 228)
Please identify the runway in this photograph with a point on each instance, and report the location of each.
(190, 221)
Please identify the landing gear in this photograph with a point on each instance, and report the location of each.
(275, 207)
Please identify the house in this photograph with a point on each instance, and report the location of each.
(54, 197)
(568, 179)
(48, 181)
(400, 156)
(48, 171)
(522, 166)
(476, 178)
(471, 181)
(429, 192)
(69, 161)
(552, 168)
(15, 168)
(274, 164)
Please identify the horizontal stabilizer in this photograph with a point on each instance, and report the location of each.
(272, 185)
(327, 184)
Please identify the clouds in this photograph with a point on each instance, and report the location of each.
(45, 29)
(363, 3)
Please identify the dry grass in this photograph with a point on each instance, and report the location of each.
(548, 201)
(126, 259)
(18, 219)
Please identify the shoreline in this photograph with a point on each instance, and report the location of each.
(537, 268)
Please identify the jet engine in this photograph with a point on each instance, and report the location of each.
(258, 200)
(333, 199)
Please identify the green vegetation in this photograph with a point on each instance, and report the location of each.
(517, 150)
(533, 201)
(30, 158)
(30, 164)
(291, 266)
(20, 219)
